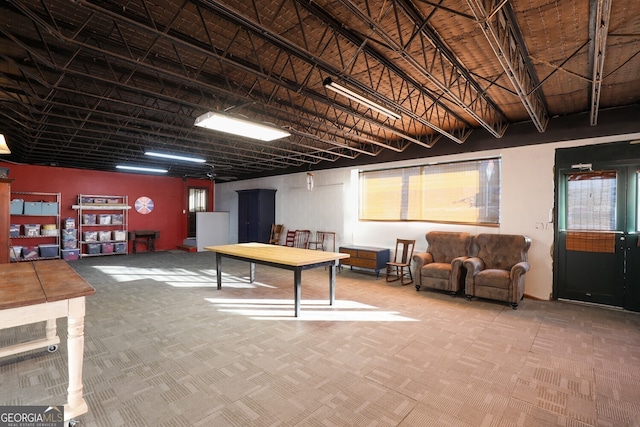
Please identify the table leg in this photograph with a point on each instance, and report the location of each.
(51, 329)
(219, 269)
(332, 282)
(297, 289)
(76, 404)
(252, 272)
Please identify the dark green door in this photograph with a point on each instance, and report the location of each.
(596, 253)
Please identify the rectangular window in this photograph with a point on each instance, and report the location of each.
(198, 199)
(591, 201)
(458, 192)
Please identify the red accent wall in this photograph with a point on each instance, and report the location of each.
(169, 195)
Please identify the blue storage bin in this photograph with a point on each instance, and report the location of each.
(49, 208)
(17, 207)
(48, 251)
(33, 208)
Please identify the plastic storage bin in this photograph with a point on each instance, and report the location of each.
(104, 219)
(107, 248)
(30, 252)
(15, 253)
(116, 219)
(14, 230)
(90, 236)
(119, 235)
(48, 251)
(120, 248)
(93, 248)
(89, 219)
(32, 230)
(104, 236)
(70, 254)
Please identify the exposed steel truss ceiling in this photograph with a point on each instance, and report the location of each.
(95, 83)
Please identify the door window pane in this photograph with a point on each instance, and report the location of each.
(591, 201)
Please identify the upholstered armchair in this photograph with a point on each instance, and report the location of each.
(441, 267)
(497, 271)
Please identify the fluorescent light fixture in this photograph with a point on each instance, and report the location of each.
(174, 157)
(141, 169)
(4, 148)
(240, 127)
(329, 84)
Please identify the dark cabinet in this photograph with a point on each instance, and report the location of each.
(256, 214)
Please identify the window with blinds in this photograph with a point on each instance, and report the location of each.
(459, 192)
(591, 201)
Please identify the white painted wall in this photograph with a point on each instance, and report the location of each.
(527, 198)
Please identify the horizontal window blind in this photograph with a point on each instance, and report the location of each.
(460, 192)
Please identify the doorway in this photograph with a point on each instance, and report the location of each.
(198, 202)
(596, 252)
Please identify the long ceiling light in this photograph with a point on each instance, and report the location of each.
(174, 157)
(329, 84)
(141, 169)
(240, 127)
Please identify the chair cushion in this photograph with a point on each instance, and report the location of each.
(436, 269)
(493, 278)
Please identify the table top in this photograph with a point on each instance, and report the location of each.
(30, 283)
(277, 254)
(363, 248)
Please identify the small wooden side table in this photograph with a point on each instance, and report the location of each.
(366, 257)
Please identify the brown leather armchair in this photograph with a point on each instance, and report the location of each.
(497, 271)
(441, 267)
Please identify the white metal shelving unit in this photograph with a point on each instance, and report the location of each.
(89, 204)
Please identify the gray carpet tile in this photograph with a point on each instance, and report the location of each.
(164, 347)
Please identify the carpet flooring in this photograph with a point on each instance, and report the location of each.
(164, 347)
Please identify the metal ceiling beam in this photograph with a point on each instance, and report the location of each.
(244, 24)
(437, 64)
(503, 34)
(600, 11)
(448, 123)
(333, 142)
(145, 104)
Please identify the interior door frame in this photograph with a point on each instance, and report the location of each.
(601, 157)
(191, 216)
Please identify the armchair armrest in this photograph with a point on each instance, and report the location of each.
(422, 259)
(474, 265)
(519, 270)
